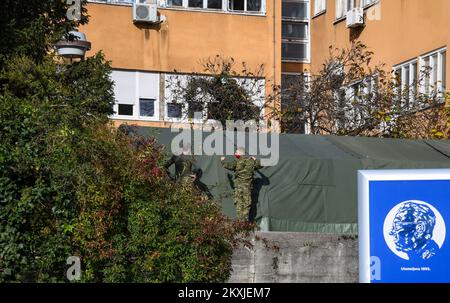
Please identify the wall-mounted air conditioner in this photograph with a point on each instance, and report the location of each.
(145, 11)
(355, 17)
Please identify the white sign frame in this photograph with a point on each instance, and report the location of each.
(364, 177)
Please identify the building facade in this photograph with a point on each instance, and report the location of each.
(144, 56)
(291, 38)
(405, 35)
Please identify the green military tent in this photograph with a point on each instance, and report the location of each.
(313, 188)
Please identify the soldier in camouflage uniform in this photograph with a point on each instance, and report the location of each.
(244, 167)
(185, 167)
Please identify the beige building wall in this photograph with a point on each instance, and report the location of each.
(395, 30)
(185, 38)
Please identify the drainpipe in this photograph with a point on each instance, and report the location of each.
(274, 43)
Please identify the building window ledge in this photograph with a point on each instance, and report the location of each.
(295, 61)
(339, 20)
(319, 14)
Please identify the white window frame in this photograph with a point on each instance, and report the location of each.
(263, 8)
(433, 81)
(367, 3)
(164, 4)
(306, 41)
(167, 99)
(403, 69)
(184, 108)
(320, 6)
(204, 7)
(137, 96)
(225, 7)
(345, 8)
(369, 87)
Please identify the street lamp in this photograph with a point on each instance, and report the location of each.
(73, 49)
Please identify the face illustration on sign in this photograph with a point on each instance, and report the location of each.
(414, 230)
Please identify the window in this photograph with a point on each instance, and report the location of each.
(215, 4)
(245, 5)
(174, 110)
(254, 5)
(293, 88)
(292, 30)
(146, 107)
(342, 7)
(319, 6)
(117, 1)
(433, 72)
(356, 101)
(295, 51)
(237, 5)
(175, 3)
(194, 107)
(125, 110)
(294, 9)
(195, 3)
(295, 30)
(406, 76)
(136, 95)
(178, 109)
(362, 91)
(365, 3)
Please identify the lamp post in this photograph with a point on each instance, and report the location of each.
(73, 49)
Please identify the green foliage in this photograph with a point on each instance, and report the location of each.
(31, 27)
(225, 93)
(45, 136)
(72, 185)
(350, 96)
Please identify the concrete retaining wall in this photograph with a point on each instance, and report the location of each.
(297, 257)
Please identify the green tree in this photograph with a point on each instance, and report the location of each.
(31, 27)
(351, 96)
(226, 91)
(72, 185)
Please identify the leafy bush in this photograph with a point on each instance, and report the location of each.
(72, 185)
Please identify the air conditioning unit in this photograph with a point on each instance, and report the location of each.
(355, 17)
(145, 11)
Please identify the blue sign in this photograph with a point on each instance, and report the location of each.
(402, 217)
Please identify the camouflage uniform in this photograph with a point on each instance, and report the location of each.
(184, 168)
(244, 167)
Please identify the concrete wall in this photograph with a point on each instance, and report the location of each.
(297, 258)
